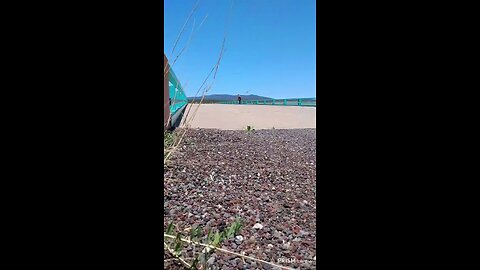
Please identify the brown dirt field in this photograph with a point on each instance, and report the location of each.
(237, 117)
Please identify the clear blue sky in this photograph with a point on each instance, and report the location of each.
(269, 49)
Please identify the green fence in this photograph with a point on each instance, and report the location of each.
(178, 99)
(306, 102)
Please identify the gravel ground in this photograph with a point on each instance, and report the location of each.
(266, 177)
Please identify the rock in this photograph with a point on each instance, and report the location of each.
(238, 238)
(235, 261)
(258, 226)
(303, 233)
(211, 260)
(256, 199)
(305, 265)
(266, 266)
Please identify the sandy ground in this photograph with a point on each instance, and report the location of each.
(237, 117)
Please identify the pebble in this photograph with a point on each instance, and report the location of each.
(305, 265)
(211, 260)
(278, 176)
(303, 233)
(266, 266)
(258, 226)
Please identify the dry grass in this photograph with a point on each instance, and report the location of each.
(207, 88)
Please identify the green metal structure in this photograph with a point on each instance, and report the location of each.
(177, 95)
(305, 102)
(177, 98)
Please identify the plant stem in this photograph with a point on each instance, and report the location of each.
(227, 251)
(176, 256)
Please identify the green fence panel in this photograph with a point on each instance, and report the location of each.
(178, 99)
(306, 102)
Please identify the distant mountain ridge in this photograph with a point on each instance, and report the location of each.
(226, 97)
